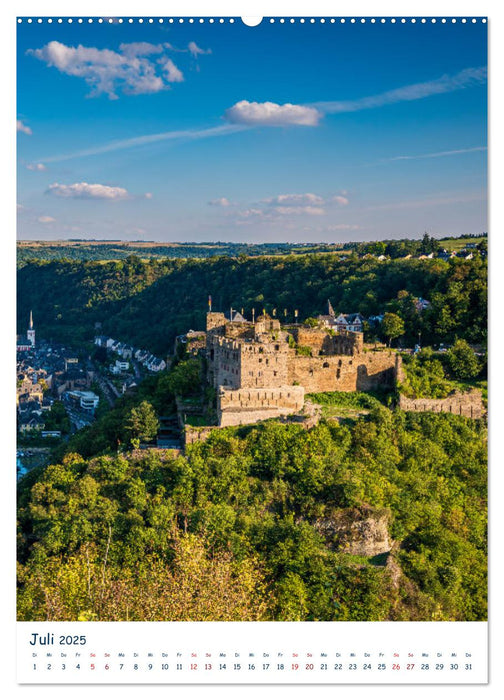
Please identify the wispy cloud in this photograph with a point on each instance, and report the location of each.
(469, 77)
(141, 48)
(440, 154)
(46, 220)
(196, 51)
(184, 134)
(20, 126)
(38, 167)
(220, 202)
(307, 210)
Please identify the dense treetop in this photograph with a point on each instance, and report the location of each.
(236, 529)
(148, 303)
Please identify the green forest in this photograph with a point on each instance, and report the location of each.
(251, 525)
(149, 303)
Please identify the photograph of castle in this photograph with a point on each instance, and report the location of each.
(251, 379)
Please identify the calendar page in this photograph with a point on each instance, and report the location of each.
(251, 349)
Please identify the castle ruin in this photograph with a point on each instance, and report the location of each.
(263, 370)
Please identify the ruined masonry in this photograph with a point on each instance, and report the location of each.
(262, 370)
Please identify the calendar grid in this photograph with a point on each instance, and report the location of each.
(164, 652)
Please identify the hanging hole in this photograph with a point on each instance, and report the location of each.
(251, 21)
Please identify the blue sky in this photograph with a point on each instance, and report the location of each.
(189, 132)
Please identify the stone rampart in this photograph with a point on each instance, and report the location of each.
(469, 404)
(242, 406)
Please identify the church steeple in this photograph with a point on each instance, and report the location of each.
(30, 333)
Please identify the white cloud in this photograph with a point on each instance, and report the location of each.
(23, 128)
(83, 190)
(46, 220)
(339, 199)
(173, 74)
(272, 114)
(466, 78)
(283, 206)
(310, 211)
(195, 50)
(307, 203)
(104, 70)
(148, 195)
(295, 199)
(39, 167)
(221, 202)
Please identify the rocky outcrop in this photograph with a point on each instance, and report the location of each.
(360, 531)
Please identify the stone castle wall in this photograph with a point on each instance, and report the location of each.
(363, 372)
(468, 404)
(324, 343)
(242, 406)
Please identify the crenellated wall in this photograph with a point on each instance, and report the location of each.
(242, 406)
(469, 404)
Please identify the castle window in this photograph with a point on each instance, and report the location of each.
(277, 347)
(261, 349)
(326, 364)
(267, 362)
(338, 373)
(275, 373)
(340, 363)
(260, 359)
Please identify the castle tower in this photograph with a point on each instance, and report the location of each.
(30, 333)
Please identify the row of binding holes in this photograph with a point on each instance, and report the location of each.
(120, 20)
(292, 20)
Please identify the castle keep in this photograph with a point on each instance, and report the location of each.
(262, 370)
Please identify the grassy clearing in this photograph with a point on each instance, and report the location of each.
(347, 405)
